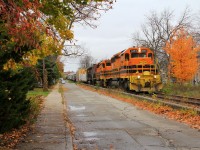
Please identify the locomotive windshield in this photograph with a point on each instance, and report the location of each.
(150, 55)
(136, 55)
(108, 64)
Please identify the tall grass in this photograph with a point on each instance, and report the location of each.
(36, 97)
(37, 92)
(182, 89)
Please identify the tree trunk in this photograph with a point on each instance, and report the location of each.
(45, 81)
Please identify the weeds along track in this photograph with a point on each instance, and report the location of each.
(180, 99)
(177, 102)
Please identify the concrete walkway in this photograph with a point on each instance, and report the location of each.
(50, 132)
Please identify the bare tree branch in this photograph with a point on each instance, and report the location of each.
(86, 14)
(158, 29)
(73, 50)
(86, 61)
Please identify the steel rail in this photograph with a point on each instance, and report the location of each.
(181, 99)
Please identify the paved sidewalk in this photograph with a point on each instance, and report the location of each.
(50, 132)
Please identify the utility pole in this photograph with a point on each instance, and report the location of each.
(45, 81)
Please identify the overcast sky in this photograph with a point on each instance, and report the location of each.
(116, 26)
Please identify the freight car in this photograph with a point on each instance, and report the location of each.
(81, 75)
(91, 74)
(131, 69)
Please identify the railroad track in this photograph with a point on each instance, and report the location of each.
(177, 102)
(180, 99)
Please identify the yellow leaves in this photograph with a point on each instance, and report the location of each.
(30, 58)
(10, 64)
(66, 34)
(61, 23)
(48, 47)
(183, 56)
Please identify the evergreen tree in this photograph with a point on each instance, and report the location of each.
(14, 106)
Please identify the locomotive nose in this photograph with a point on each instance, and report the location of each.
(147, 84)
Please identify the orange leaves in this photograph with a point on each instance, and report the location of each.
(183, 56)
(10, 139)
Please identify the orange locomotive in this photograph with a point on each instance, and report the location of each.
(103, 72)
(132, 69)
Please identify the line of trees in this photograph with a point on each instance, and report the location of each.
(33, 34)
(166, 36)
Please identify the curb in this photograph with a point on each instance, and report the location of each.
(69, 143)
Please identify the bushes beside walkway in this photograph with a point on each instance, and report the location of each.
(14, 105)
(10, 138)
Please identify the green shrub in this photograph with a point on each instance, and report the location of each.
(167, 89)
(14, 106)
(34, 108)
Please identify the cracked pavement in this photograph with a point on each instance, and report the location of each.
(103, 123)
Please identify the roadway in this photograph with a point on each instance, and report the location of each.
(104, 123)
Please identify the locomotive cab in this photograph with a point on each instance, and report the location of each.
(142, 72)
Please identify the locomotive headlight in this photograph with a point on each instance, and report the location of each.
(139, 50)
(138, 77)
(155, 76)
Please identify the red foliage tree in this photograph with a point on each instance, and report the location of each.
(21, 20)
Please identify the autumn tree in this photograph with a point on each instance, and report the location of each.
(182, 51)
(20, 30)
(31, 30)
(60, 16)
(158, 29)
(19, 34)
(23, 22)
